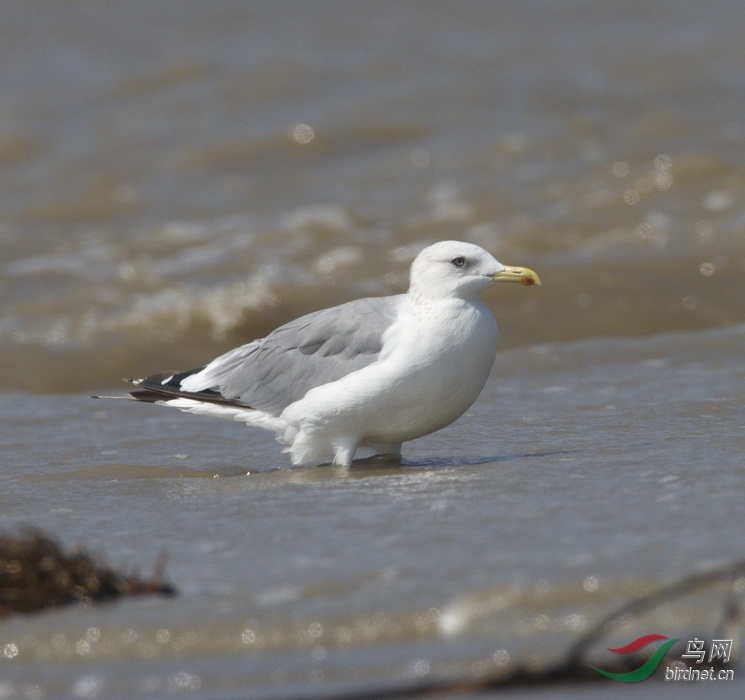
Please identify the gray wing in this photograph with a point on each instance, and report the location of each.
(322, 347)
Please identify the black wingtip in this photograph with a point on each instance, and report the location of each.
(167, 385)
(110, 397)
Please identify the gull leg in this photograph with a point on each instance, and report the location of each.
(344, 449)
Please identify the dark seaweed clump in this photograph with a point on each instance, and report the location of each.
(37, 574)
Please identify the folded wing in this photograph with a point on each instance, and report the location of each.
(271, 373)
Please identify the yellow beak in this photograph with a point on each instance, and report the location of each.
(523, 275)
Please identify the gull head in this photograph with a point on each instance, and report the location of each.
(452, 269)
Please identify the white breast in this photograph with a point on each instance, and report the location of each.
(434, 363)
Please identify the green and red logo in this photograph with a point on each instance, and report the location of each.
(648, 667)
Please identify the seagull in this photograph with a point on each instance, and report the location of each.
(372, 373)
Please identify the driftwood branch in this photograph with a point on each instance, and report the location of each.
(574, 667)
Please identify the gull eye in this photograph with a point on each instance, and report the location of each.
(460, 261)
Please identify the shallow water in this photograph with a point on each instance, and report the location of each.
(173, 183)
(586, 474)
(176, 182)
